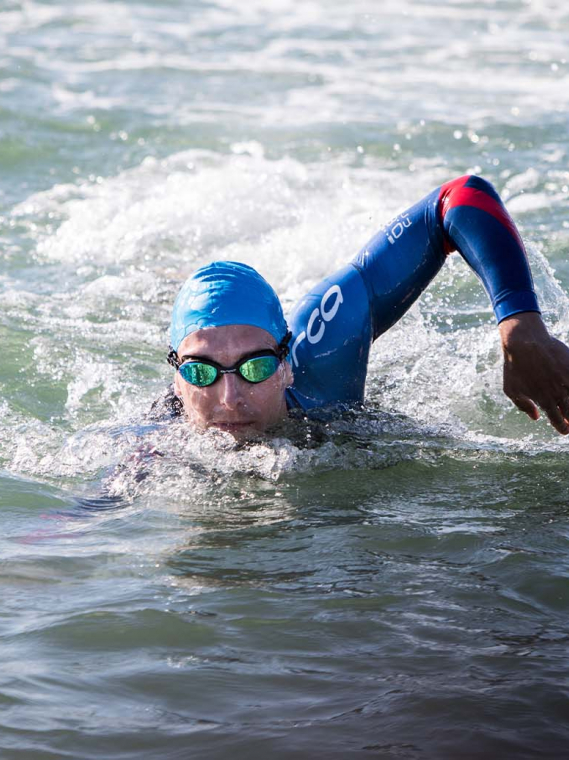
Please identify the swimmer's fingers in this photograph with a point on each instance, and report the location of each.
(557, 411)
(557, 419)
(557, 414)
(524, 404)
(564, 405)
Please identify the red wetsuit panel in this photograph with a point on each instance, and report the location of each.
(458, 192)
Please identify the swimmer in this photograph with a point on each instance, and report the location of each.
(240, 368)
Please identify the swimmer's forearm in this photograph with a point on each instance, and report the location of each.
(476, 223)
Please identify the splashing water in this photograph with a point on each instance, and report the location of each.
(391, 581)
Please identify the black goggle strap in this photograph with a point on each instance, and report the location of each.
(282, 353)
(172, 358)
(284, 348)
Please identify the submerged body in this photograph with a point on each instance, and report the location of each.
(227, 312)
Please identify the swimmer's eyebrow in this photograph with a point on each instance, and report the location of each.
(197, 358)
(200, 358)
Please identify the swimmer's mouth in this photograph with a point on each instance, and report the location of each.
(232, 427)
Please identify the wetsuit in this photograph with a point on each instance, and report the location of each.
(335, 324)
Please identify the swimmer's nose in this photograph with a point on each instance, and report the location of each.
(231, 391)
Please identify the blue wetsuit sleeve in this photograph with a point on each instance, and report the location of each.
(334, 325)
(465, 215)
(399, 262)
(477, 224)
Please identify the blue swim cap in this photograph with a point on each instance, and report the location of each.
(226, 293)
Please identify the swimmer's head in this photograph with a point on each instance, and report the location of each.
(226, 293)
(230, 338)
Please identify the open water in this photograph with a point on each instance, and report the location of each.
(392, 584)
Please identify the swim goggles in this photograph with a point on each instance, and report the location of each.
(253, 368)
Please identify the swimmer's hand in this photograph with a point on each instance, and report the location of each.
(536, 369)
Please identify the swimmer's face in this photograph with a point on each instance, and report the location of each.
(231, 403)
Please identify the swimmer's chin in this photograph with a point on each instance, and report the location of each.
(240, 431)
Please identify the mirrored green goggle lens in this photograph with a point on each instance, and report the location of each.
(253, 370)
(259, 369)
(198, 373)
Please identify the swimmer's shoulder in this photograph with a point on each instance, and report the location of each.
(167, 406)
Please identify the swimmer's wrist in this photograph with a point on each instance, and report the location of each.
(522, 330)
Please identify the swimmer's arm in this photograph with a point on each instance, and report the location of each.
(476, 223)
(536, 365)
(468, 215)
(465, 214)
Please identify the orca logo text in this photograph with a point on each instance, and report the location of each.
(316, 326)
